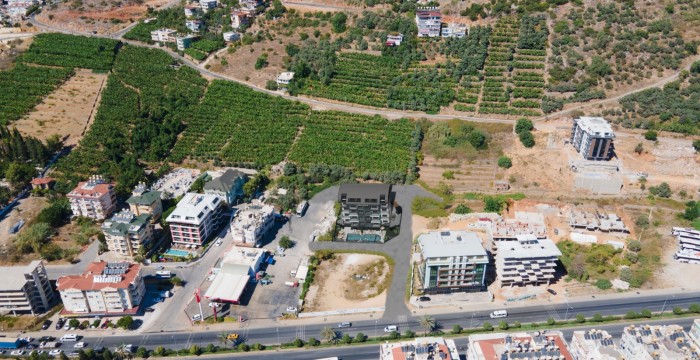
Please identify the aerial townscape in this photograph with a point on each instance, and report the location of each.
(350, 179)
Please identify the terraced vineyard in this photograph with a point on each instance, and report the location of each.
(495, 96)
(25, 86)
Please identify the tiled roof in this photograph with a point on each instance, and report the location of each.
(86, 281)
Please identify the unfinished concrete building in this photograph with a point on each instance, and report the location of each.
(527, 261)
(689, 245)
(592, 137)
(596, 220)
(525, 223)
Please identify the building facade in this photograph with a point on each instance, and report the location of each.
(527, 261)
(184, 41)
(163, 35)
(125, 233)
(239, 19)
(94, 199)
(208, 4)
(455, 30)
(104, 289)
(194, 25)
(250, 223)
(592, 137)
(365, 206)
(452, 261)
(145, 202)
(429, 22)
(657, 342)
(195, 219)
(228, 186)
(593, 345)
(25, 289)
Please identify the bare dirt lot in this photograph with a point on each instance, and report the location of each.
(27, 209)
(10, 49)
(68, 111)
(349, 281)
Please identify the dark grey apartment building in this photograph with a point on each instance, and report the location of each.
(365, 206)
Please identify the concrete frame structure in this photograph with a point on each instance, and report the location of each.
(452, 261)
(593, 345)
(592, 137)
(251, 223)
(548, 345)
(654, 342)
(144, 201)
(688, 245)
(125, 233)
(94, 199)
(104, 289)
(365, 206)
(195, 219)
(26, 289)
(527, 261)
(424, 348)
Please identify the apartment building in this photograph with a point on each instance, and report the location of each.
(231, 36)
(104, 289)
(192, 11)
(429, 22)
(250, 223)
(452, 261)
(239, 19)
(163, 35)
(195, 219)
(527, 261)
(394, 39)
(592, 137)
(94, 199)
(194, 25)
(125, 233)
(25, 289)
(694, 332)
(454, 30)
(365, 206)
(593, 345)
(424, 348)
(548, 345)
(657, 342)
(284, 78)
(145, 202)
(184, 41)
(208, 5)
(228, 186)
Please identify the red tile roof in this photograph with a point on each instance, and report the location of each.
(82, 190)
(42, 181)
(86, 280)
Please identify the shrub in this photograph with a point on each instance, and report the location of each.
(694, 308)
(527, 139)
(347, 339)
(259, 346)
(603, 284)
(597, 317)
(286, 243)
(696, 143)
(142, 352)
(487, 326)
(211, 348)
(462, 209)
(635, 245)
(523, 125)
(580, 319)
(663, 190)
(243, 347)
(505, 162)
(314, 342)
(503, 325)
(646, 313)
(626, 274)
(271, 85)
(650, 135)
(456, 329)
(551, 321)
(159, 351)
(639, 148)
(409, 334)
(631, 315)
(195, 350)
(678, 310)
(360, 338)
(298, 342)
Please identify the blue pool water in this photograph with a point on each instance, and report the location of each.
(179, 253)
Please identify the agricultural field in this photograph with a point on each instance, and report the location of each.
(25, 86)
(71, 51)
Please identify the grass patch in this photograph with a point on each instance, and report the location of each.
(429, 207)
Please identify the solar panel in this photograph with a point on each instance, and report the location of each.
(587, 336)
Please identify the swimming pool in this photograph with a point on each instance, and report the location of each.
(363, 238)
(178, 253)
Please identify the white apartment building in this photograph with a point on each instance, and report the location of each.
(184, 41)
(125, 232)
(284, 78)
(94, 199)
(452, 261)
(429, 22)
(424, 348)
(25, 289)
(194, 25)
(163, 35)
(231, 36)
(455, 30)
(208, 4)
(694, 332)
(593, 345)
(195, 218)
(527, 261)
(592, 137)
(104, 288)
(657, 342)
(192, 11)
(251, 223)
(548, 345)
(238, 19)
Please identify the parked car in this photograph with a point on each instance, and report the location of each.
(390, 328)
(128, 348)
(196, 317)
(55, 352)
(150, 309)
(59, 323)
(423, 298)
(160, 267)
(46, 324)
(551, 291)
(265, 282)
(18, 352)
(79, 345)
(105, 324)
(47, 338)
(345, 324)
(291, 309)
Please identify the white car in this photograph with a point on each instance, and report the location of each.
(291, 309)
(215, 304)
(27, 339)
(55, 352)
(196, 317)
(17, 352)
(79, 345)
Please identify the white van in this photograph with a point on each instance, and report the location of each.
(69, 337)
(391, 328)
(498, 314)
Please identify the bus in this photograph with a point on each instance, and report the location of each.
(301, 208)
(164, 274)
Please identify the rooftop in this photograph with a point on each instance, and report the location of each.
(226, 181)
(253, 214)
(437, 244)
(243, 256)
(528, 246)
(194, 207)
(101, 275)
(125, 222)
(42, 181)
(420, 349)
(594, 125)
(668, 341)
(13, 276)
(364, 190)
(285, 76)
(142, 196)
(95, 187)
(597, 343)
(531, 346)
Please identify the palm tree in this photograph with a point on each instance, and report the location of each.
(428, 323)
(329, 334)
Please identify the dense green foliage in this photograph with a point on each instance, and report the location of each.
(25, 86)
(71, 51)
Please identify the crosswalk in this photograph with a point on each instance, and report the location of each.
(301, 332)
(403, 323)
(552, 311)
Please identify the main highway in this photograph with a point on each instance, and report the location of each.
(287, 330)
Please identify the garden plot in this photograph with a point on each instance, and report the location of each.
(349, 281)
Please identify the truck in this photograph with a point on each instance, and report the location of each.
(301, 208)
(10, 344)
(164, 274)
(49, 345)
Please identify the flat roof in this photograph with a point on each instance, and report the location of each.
(286, 76)
(593, 125)
(193, 208)
(243, 256)
(437, 244)
(227, 287)
(364, 190)
(13, 276)
(528, 247)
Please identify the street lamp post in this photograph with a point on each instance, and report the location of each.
(177, 351)
(375, 327)
(663, 308)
